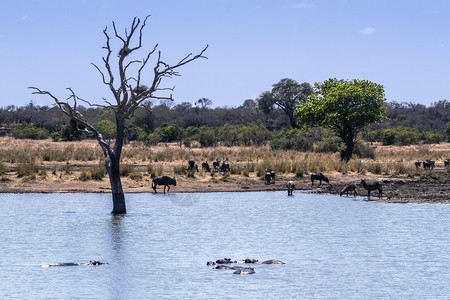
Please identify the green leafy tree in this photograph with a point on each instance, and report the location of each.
(106, 128)
(345, 107)
(287, 94)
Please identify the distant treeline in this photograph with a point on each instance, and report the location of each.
(407, 123)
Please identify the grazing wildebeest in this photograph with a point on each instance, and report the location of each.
(225, 167)
(447, 163)
(192, 165)
(428, 164)
(269, 176)
(205, 166)
(349, 188)
(371, 187)
(320, 176)
(216, 165)
(417, 164)
(163, 180)
(290, 187)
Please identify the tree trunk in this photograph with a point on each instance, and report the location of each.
(112, 165)
(349, 141)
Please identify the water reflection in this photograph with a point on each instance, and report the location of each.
(184, 199)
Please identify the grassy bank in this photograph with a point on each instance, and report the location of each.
(83, 160)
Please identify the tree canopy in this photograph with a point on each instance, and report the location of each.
(345, 107)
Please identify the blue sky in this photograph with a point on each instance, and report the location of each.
(403, 45)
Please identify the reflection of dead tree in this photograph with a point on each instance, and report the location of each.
(128, 92)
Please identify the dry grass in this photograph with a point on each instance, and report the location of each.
(72, 158)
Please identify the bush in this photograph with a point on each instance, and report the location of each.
(29, 169)
(94, 173)
(364, 150)
(328, 145)
(28, 131)
(432, 137)
(106, 128)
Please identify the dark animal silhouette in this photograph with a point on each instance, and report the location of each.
(244, 271)
(417, 164)
(371, 187)
(447, 163)
(349, 188)
(428, 164)
(205, 166)
(269, 177)
(225, 167)
(192, 165)
(216, 165)
(163, 180)
(290, 187)
(320, 177)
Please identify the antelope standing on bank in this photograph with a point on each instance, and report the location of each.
(349, 188)
(371, 187)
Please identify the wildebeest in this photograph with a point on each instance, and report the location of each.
(447, 163)
(290, 187)
(348, 188)
(163, 180)
(428, 164)
(269, 176)
(417, 163)
(371, 187)
(320, 176)
(225, 167)
(216, 165)
(192, 165)
(205, 166)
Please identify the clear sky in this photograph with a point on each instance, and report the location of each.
(402, 44)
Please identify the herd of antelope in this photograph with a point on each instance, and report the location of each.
(270, 177)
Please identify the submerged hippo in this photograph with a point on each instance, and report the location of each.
(225, 261)
(244, 271)
(273, 262)
(91, 263)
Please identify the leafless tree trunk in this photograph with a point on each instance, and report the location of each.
(129, 93)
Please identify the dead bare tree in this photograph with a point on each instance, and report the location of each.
(130, 92)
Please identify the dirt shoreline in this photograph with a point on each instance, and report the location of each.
(395, 189)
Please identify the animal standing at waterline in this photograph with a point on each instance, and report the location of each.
(349, 188)
(163, 180)
(320, 176)
(371, 187)
(290, 187)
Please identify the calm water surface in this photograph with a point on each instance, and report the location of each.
(333, 247)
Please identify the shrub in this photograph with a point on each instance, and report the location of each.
(432, 137)
(28, 131)
(28, 169)
(328, 145)
(106, 128)
(136, 176)
(125, 170)
(364, 150)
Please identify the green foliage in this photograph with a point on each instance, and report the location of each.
(345, 107)
(28, 131)
(206, 136)
(432, 137)
(106, 128)
(400, 136)
(340, 104)
(68, 134)
(169, 133)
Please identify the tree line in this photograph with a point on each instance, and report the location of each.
(247, 124)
